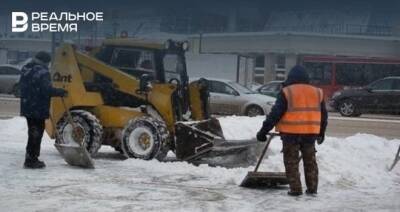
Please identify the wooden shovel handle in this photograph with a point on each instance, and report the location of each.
(69, 116)
(71, 122)
(54, 127)
(271, 136)
(396, 159)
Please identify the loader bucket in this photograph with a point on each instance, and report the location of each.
(203, 141)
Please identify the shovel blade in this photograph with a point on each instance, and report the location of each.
(75, 155)
(264, 180)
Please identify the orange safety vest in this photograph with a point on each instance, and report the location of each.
(303, 114)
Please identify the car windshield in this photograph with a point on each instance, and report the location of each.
(240, 88)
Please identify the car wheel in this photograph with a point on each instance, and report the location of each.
(348, 108)
(254, 110)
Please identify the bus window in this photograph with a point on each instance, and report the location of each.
(349, 74)
(319, 73)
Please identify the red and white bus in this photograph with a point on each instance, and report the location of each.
(333, 73)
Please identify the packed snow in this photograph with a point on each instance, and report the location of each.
(353, 176)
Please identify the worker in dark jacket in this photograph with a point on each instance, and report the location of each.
(36, 91)
(300, 115)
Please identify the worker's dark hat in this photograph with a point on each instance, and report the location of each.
(43, 56)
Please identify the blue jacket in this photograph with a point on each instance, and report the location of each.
(297, 75)
(36, 91)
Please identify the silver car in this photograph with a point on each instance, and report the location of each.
(230, 98)
(272, 88)
(9, 78)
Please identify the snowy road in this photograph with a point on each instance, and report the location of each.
(384, 126)
(353, 177)
(381, 125)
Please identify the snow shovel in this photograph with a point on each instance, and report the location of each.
(74, 155)
(256, 179)
(396, 159)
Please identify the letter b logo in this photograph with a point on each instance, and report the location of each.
(19, 22)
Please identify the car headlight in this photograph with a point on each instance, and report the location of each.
(336, 94)
(270, 103)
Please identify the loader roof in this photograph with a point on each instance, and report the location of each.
(134, 42)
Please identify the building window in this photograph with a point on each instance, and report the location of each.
(259, 71)
(281, 62)
(260, 61)
(259, 79)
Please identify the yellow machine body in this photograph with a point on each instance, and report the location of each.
(72, 69)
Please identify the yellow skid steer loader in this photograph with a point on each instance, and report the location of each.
(135, 95)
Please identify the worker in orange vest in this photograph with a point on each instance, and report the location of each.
(300, 116)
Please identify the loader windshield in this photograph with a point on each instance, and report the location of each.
(135, 62)
(173, 67)
(175, 72)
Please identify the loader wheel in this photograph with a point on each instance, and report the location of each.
(145, 138)
(88, 124)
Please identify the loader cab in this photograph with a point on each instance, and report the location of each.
(174, 62)
(164, 63)
(150, 61)
(174, 72)
(133, 61)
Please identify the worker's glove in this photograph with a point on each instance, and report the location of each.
(63, 93)
(320, 139)
(261, 136)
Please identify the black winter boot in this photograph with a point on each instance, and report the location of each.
(34, 163)
(311, 192)
(294, 193)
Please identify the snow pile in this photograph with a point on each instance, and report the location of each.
(353, 175)
(240, 127)
(359, 160)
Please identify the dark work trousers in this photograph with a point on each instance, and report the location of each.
(35, 134)
(291, 158)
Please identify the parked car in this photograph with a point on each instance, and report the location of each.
(9, 78)
(230, 98)
(272, 88)
(381, 96)
(254, 86)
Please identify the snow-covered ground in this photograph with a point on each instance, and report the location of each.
(353, 176)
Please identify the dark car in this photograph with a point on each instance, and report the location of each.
(381, 96)
(270, 89)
